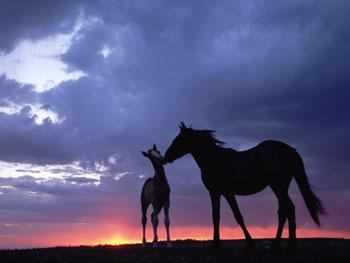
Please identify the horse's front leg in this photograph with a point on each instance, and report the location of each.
(215, 205)
(239, 218)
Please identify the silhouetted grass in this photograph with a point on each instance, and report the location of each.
(310, 250)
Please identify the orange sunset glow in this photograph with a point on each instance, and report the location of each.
(205, 233)
(108, 234)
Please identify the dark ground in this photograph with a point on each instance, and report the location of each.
(310, 250)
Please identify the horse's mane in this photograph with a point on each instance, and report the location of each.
(209, 137)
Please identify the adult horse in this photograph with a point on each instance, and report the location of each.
(228, 172)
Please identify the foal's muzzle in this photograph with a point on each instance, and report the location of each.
(167, 160)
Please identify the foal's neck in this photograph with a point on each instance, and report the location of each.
(159, 170)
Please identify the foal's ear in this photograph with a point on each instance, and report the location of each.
(144, 153)
(154, 147)
(182, 126)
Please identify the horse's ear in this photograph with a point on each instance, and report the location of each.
(144, 153)
(154, 146)
(182, 126)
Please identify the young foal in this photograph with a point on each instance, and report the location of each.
(156, 191)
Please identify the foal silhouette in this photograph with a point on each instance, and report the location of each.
(156, 191)
(228, 172)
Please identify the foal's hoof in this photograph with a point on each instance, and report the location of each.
(155, 244)
(169, 245)
(292, 248)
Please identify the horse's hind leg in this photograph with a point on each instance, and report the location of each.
(281, 221)
(167, 223)
(290, 209)
(144, 206)
(239, 218)
(286, 210)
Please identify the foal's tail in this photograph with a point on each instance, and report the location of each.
(313, 203)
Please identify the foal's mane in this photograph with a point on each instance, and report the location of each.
(208, 136)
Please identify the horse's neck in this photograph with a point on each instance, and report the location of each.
(204, 154)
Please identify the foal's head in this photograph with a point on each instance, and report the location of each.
(189, 140)
(154, 155)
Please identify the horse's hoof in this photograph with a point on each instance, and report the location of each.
(169, 245)
(250, 245)
(144, 245)
(276, 247)
(213, 247)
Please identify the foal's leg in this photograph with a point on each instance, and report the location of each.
(155, 221)
(167, 223)
(144, 206)
(215, 203)
(239, 218)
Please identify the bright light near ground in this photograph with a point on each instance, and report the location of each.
(38, 62)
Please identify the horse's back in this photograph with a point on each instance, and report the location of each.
(252, 170)
(277, 156)
(274, 144)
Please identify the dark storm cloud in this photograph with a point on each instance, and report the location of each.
(20, 19)
(11, 91)
(250, 70)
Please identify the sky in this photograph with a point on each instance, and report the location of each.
(86, 85)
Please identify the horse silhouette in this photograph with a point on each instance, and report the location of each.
(227, 172)
(155, 191)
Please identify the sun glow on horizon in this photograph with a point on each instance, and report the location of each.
(90, 234)
(227, 233)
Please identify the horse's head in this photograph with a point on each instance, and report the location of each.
(181, 145)
(154, 155)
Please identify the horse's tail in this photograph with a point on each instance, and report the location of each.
(313, 203)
